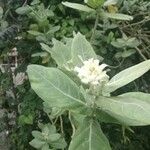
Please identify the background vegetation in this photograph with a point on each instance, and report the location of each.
(120, 43)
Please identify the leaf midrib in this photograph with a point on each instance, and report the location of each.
(59, 89)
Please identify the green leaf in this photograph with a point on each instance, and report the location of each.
(38, 135)
(52, 112)
(125, 53)
(128, 53)
(77, 119)
(81, 48)
(78, 6)
(45, 147)
(48, 129)
(37, 143)
(126, 76)
(102, 116)
(94, 3)
(89, 137)
(53, 30)
(54, 87)
(26, 119)
(1, 12)
(117, 16)
(35, 33)
(35, 2)
(61, 52)
(54, 137)
(59, 144)
(127, 108)
(46, 47)
(23, 10)
(40, 54)
(125, 42)
(145, 97)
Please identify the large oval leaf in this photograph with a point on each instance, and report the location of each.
(78, 6)
(126, 76)
(54, 87)
(61, 52)
(89, 137)
(128, 108)
(116, 16)
(81, 49)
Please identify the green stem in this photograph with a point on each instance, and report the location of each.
(73, 127)
(140, 53)
(95, 27)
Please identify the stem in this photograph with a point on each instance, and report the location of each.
(139, 51)
(95, 27)
(73, 127)
(61, 124)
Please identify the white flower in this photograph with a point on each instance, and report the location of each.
(91, 72)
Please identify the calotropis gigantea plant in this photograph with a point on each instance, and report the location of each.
(81, 86)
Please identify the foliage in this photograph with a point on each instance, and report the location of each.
(47, 136)
(58, 90)
(47, 33)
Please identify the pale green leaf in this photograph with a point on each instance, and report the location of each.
(53, 137)
(48, 129)
(35, 33)
(102, 116)
(89, 137)
(46, 47)
(129, 110)
(59, 144)
(37, 143)
(54, 87)
(126, 76)
(35, 2)
(45, 147)
(1, 12)
(40, 54)
(61, 52)
(81, 49)
(78, 6)
(137, 95)
(38, 135)
(94, 3)
(116, 16)
(23, 10)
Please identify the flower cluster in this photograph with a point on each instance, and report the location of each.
(91, 72)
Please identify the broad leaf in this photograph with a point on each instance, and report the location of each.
(1, 12)
(81, 49)
(35, 33)
(89, 137)
(126, 76)
(102, 116)
(145, 97)
(38, 135)
(36, 143)
(46, 47)
(78, 6)
(61, 52)
(94, 3)
(128, 109)
(59, 144)
(54, 87)
(116, 16)
(23, 10)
